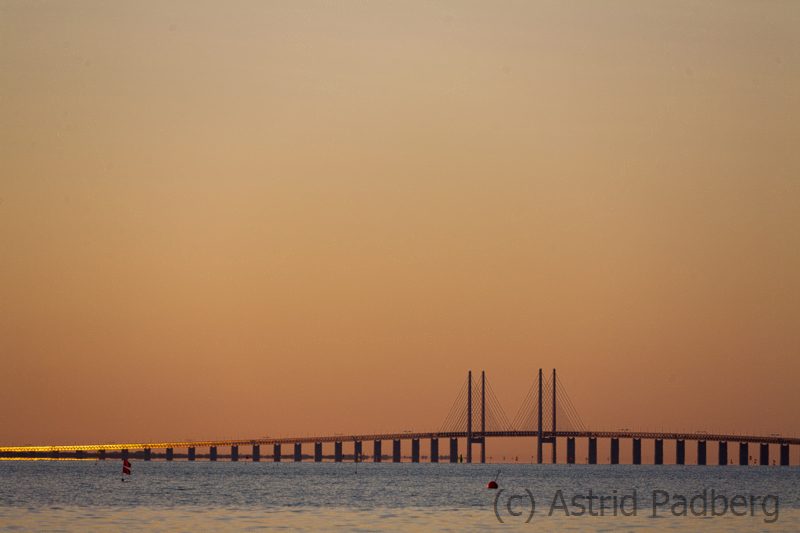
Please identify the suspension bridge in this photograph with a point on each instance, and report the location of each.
(546, 415)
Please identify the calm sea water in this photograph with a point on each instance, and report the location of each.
(204, 496)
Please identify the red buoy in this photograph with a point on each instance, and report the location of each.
(491, 485)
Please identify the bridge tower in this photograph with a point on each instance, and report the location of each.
(483, 416)
(541, 438)
(469, 416)
(539, 423)
(554, 416)
(472, 436)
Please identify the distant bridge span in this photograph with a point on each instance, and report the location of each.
(532, 421)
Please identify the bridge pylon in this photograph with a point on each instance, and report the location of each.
(541, 436)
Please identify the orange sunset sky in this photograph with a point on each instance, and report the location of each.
(277, 218)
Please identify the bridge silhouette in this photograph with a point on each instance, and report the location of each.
(546, 415)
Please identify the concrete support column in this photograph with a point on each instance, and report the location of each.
(337, 451)
(763, 454)
(414, 450)
(234, 453)
(212, 453)
(614, 451)
(658, 455)
(453, 450)
(744, 454)
(256, 455)
(637, 451)
(376, 451)
(169, 453)
(146, 454)
(571, 450)
(722, 456)
(317, 452)
(396, 451)
(592, 450)
(190, 453)
(680, 452)
(298, 452)
(701, 452)
(276, 452)
(101, 454)
(357, 451)
(434, 450)
(784, 454)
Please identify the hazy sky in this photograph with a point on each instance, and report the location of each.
(269, 218)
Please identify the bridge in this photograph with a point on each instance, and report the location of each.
(546, 415)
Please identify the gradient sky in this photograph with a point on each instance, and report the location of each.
(275, 218)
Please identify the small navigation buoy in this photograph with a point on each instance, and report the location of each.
(493, 483)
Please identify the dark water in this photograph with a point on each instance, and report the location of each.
(88, 495)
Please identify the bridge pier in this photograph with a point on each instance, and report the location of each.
(763, 455)
(298, 452)
(434, 450)
(592, 450)
(701, 453)
(276, 452)
(453, 450)
(680, 452)
(376, 451)
(571, 450)
(146, 454)
(614, 451)
(744, 454)
(337, 451)
(476, 440)
(396, 450)
(317, 452)
(234, 453)
(784, 454)
(414, 450)
(190, 453)
(357, 451)
(212, 453)
(723, 453)
(637, 451)
(658, 454)
(169, 453)
(256, 454)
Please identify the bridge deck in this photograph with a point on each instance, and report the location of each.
(771, 439)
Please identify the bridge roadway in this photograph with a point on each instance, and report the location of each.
(771, 439)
